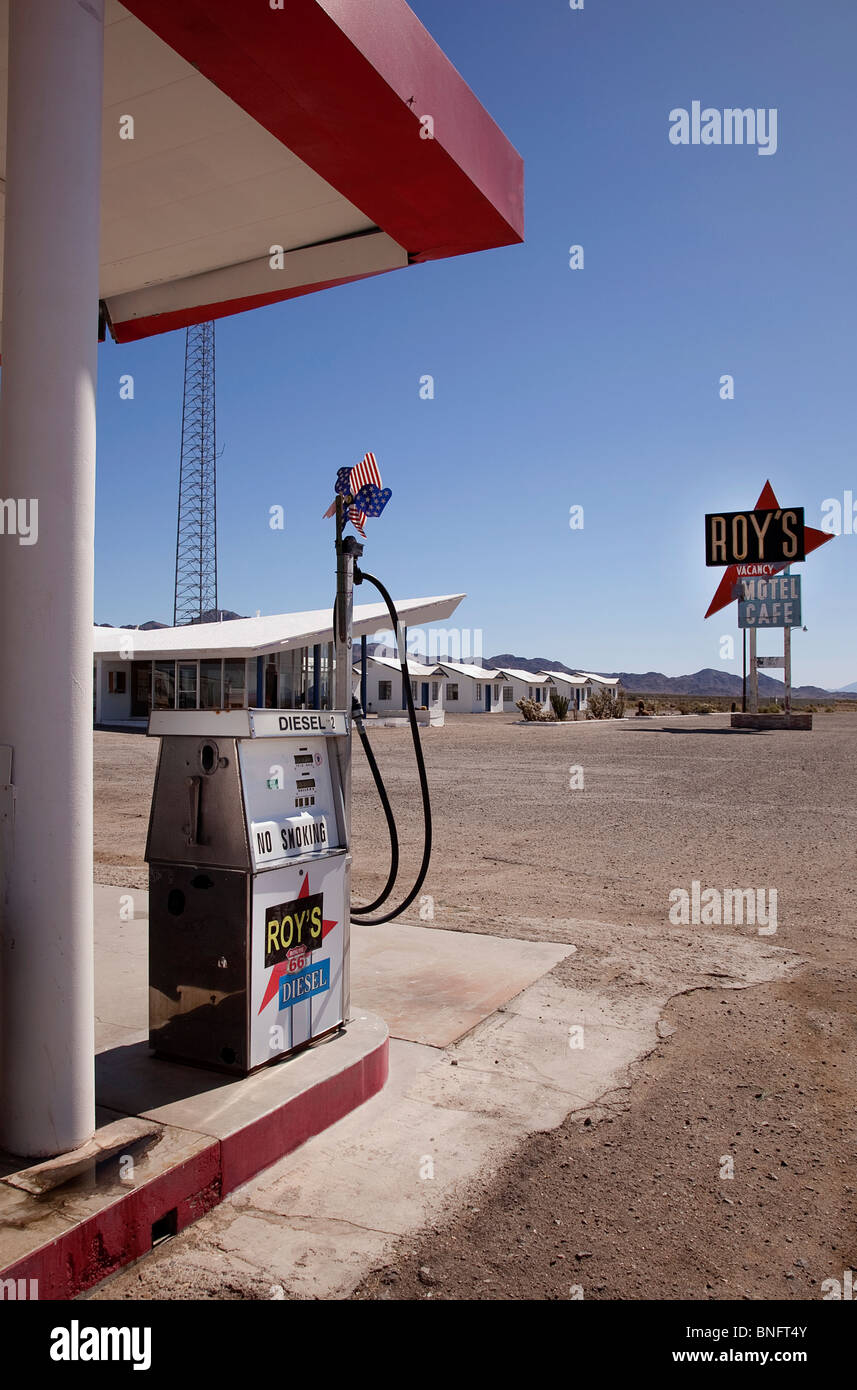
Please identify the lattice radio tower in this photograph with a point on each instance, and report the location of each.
(196, 541)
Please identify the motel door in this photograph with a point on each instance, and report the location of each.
(425, 694)
(488, 698)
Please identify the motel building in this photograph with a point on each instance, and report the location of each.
(576, 688)
(385, 695)
(594, 682)
(467, 689)
(281, 661)
(510, 686)
(483, 690)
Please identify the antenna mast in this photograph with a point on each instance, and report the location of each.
(196, 539)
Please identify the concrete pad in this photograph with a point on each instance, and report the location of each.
(258, 1118)
(497, 1096)
(433, 986)
(316, 1221)
(121, 965)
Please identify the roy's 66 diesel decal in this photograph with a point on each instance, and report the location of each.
(293, 930)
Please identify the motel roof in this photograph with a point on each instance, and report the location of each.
(528, 677)
(415, 668)
(258, 636)
(476, 673)
(602, 680)
(564, 678)
(257, 128)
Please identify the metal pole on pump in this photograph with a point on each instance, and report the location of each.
(347, 551)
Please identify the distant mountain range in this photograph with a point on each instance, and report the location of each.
(213, 615)
(706, 682)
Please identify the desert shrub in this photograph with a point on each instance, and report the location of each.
(603, 704)
(533, 712)
(559, 704)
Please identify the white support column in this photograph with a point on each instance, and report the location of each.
(47, 453)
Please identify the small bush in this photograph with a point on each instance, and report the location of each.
(559, 704)
(533, 712)
(604, 704)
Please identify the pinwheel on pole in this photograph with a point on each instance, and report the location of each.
(361, 492)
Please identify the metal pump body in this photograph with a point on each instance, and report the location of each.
(249, 877)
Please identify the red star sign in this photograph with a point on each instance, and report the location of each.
(725, 589)
(282, 968)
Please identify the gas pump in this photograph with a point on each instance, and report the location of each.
(249, 853)
(248, 884)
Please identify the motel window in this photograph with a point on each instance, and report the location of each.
(508, 692)
(165, 685)
(385, 690)
(529, 692)
(211, 684)
(479, 692)
(434, 689)
(414, 689)
(452, 692)
(116, 682)
(497, 693)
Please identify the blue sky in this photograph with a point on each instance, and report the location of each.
(554, 387)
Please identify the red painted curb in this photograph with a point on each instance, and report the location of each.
(273, 1136)
(80, 1258)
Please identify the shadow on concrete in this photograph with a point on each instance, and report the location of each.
(131, 1080)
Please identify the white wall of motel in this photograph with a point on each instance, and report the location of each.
(384, 694)
(509, 687)
(467, 689)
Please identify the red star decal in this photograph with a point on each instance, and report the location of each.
(278, 971)
(812, 540)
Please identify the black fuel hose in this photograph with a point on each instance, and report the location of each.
(358, 913)
(357, 720)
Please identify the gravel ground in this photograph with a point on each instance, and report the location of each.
(632, 1201)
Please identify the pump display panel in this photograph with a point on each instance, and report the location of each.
(288, 795)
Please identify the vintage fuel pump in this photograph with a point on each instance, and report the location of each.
(249, 853)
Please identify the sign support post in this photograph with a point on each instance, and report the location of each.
(787, 662)
(754, 674)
